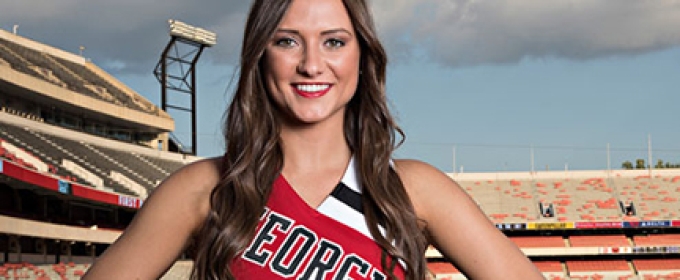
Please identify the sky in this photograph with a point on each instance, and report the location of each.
(476, 85)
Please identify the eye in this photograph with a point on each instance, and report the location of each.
(285, 42)
(335, 43)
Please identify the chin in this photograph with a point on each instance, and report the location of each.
(309, 117)
(310, 120)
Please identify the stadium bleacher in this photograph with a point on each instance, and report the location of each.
(538, 241)
(551, 269)
(599, 241)
(68, 183)
(657, 240)
(592, 231)
(657, 268)
(78, 78)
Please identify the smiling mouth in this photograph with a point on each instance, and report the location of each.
(311, 90)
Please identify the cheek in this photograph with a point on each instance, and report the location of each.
(348, 73)
(346, 67)
(273, 74)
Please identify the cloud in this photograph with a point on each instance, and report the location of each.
(455, 33)
(132, 33)
(471, 32)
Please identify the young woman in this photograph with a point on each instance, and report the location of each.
(307, 188)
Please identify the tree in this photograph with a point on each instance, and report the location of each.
(659, 164)
(640, 164)
(627, 165)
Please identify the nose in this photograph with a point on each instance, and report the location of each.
(311, 63)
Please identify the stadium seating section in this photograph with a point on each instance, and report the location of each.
(578, 199)
(143, 170)
(42, 272)
(63, 73)
(517, 201)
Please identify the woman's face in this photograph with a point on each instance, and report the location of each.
(312, 61)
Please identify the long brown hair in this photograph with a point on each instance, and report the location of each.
(254, 157)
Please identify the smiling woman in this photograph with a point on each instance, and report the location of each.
(313, 61)
(307, 187)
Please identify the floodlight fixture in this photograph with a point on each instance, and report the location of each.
(194, 34)
(176, 70)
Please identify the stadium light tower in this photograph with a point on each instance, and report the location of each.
(176, 69)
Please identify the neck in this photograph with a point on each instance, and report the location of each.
(314, 147)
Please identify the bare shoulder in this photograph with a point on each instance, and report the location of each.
(197, 177)
(191, 187)
(458, 228)
(424, 183)
(192, 184)
(163, 227)
(418, 174)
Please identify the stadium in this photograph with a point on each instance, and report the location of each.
(80, 152)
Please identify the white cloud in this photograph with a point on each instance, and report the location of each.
(471, 32)
(452, 32)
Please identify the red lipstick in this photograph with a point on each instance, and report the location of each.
(311, 90)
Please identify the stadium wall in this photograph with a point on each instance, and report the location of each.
(524, 175)
(23, 227)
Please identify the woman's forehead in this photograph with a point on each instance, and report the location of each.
(316, 15)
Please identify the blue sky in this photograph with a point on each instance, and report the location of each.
(567, 110)
(491, 78)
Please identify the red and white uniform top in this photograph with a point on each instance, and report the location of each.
(296, 241)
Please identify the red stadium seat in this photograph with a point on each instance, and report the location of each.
(441, 270)
(599, 241)
(597, 265)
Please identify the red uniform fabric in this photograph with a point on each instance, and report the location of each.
(295, 241)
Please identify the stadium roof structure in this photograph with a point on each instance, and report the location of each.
(46, 75)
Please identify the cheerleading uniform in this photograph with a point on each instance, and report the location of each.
(296, 241)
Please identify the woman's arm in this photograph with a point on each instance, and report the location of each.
(163, 226)
(459, 229)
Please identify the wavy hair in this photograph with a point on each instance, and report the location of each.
(254, 157)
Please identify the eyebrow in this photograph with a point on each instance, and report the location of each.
(325, 32)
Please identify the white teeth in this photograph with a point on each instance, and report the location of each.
(311, 88)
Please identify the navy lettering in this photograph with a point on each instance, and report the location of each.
(324, 260)
(302, 254)
(255, 252)
(298, 234)
(377, 275)
(348, 263)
